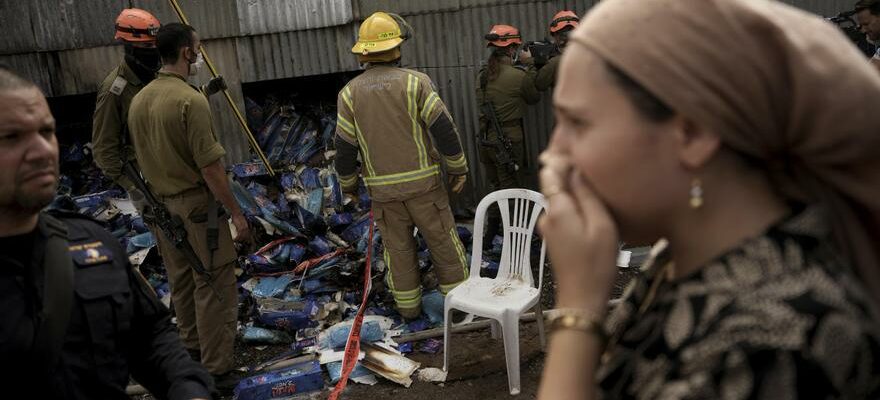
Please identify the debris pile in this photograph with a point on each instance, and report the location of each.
(302, 286)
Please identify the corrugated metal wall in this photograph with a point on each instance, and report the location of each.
(67, 47)
(448, 46)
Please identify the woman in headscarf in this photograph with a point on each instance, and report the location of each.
(745, 135)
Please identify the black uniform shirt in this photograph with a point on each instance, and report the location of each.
(117, 326)
(18, 296)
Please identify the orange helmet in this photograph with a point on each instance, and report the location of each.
(563, 19)
(503, 36)
(137, 26)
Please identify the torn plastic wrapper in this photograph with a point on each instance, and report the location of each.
(249, 170)
(315, 202)
(310, 178)
(257, 335)
(289, 181)
(336, 336)
(357, 230)
(94, 200)
(432, 306)
(320, 246)
(139, 242)
(271, 286)
(335, 371)
(339, 221)
(331, 182)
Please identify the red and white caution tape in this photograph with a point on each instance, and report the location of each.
(353, 345)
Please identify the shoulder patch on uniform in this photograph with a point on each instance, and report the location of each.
(118, 85)
(91, 253)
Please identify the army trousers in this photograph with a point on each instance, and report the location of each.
(431, 214)
(500, 177)
(207, 325)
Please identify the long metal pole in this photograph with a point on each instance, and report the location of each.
(241, 121)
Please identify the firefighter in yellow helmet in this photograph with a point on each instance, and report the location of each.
(394, 118)
(562, 24)
(505, 89)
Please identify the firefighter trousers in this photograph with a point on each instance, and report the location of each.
(206, 324)
(431, 214)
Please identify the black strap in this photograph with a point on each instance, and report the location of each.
(137, 32)
(57, 293)
(213, 231)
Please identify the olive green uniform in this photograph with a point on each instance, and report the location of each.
(388, 116)
(510, 93)
(111, 114)
(172, 136)
(547, 74)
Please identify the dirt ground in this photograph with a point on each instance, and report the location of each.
(477, 371)
(477, 364)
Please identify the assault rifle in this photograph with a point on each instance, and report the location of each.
(503, 147)
(156, 214)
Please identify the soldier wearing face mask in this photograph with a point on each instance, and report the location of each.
(136, 29)
(182, 163)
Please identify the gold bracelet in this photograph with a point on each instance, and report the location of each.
(577, 319)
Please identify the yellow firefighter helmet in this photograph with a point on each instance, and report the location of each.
(381, 32)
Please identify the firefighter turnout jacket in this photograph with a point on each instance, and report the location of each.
(386, 115)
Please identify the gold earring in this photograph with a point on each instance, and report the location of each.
(696, 193)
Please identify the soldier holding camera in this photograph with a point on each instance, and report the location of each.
(506, 86)
(563, 23)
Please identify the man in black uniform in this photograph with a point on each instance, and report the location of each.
(76, 321)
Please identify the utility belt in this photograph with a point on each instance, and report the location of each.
(188, 193)
(485, 139)
(214, 208)
(511, 124)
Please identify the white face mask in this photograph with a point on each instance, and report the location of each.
(196, 66)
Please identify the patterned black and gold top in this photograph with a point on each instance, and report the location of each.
(780, 317)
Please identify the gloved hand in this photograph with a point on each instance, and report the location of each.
(456, 182)
(214, 85)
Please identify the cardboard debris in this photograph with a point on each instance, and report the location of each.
(389, 365)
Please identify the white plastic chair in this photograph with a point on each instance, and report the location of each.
(506, 297)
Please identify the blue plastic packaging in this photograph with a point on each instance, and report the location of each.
(300, 378)
(337, 336)
(272, 286)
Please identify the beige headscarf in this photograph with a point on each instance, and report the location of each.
(777, 84)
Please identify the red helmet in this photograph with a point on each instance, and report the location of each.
(564, 19)
(503, 36)
(137, 26)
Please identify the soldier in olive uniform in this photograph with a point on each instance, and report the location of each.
(563, 23)
(136, 29)
(182, 161)
(507, 82)
(111, 147)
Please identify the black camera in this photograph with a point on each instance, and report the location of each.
(542, 51)
(850, 28)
